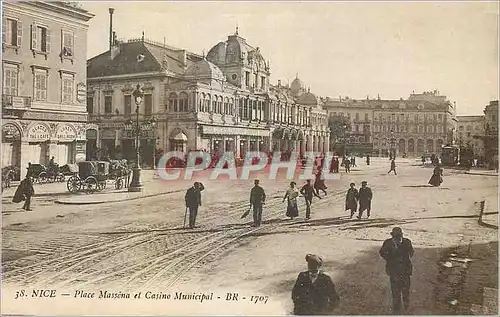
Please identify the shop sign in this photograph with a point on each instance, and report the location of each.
(10, 133)
(81, 92)
(66, 133)
(39, 132)
(234, 131)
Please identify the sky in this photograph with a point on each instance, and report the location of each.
(336, 48)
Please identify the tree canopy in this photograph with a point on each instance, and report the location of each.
(339, 127)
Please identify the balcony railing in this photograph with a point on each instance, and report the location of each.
(16, 102)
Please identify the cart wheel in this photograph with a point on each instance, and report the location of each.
(60, 178)
(42, 178)
(74, 184)
(91, 185)
(119, 183)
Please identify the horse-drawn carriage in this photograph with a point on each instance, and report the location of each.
(45, 174)
(92, 176)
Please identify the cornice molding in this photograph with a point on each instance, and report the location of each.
(30, 9)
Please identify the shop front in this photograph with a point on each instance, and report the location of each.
(11, 145)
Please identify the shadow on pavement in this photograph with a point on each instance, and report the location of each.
(364, 287)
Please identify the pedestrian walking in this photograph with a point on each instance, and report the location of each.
(24, 192)
(351, 199)
(257, 200)
(193, 201)
(353, 161)
(437, 176)
(368, 160)
(319, 183)
(308, 192)
(393, 167)
(314, 291)
(291, 195)
(397, 252)
(347, 165)
(365, 200)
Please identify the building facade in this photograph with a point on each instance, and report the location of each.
(220, 102)
(418, 125)
(44, 83)
(470, 129)
(491, 133)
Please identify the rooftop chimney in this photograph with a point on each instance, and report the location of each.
(279, 83)
(111, 11)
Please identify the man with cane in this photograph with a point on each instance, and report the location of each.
(193, 201)
(257, 199)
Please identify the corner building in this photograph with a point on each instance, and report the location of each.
(219, 102)
(418, 125)
(44, 83)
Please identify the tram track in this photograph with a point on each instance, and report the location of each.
(147, 269)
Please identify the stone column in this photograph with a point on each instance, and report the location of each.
(52, 151)
(237, 145)
(25, 158)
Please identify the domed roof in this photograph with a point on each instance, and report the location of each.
(204, 68)
(235, 50)
(308, 99)
(297, 84)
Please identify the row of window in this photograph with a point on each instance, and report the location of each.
(40, 83)
(127, 102)
(40, 35)
(411, 144)
(256, 81)
(410, 129)
(469, 128)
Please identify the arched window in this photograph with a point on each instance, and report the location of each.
(207, 103)
(172, 102)
(231, 106)
(226, 105)
(357, 116)
(219, 105)
(214, 104)
(183, 102)
(201, 97)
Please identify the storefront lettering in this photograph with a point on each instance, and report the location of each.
(66, 133)
(39, 133)
(81, 92)
(234, 131)
(10, 133)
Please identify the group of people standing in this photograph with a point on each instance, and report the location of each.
(363, 197)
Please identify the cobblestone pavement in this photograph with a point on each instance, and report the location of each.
(141, 245)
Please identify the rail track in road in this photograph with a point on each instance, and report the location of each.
(170, 267)
(96, 264)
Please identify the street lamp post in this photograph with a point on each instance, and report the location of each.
(135, 185)
(393, 145)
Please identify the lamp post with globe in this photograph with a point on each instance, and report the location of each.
(135, 185)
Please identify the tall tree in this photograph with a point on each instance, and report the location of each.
(339, 128)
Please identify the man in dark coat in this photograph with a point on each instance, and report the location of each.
(257, 200)
(365, 200)
(24, 192)
(314, 292)
(351, 199)
(308, 192)
(368, 160)
(193, 201)
(393, 167)
(397, 252)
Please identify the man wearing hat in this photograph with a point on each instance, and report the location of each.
(365, 200)
(193, 201)
(314, 292)
(257, 200)
(397, 252)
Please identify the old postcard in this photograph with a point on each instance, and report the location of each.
(249, 158)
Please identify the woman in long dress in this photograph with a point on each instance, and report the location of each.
(437, 176)
(291, 194)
